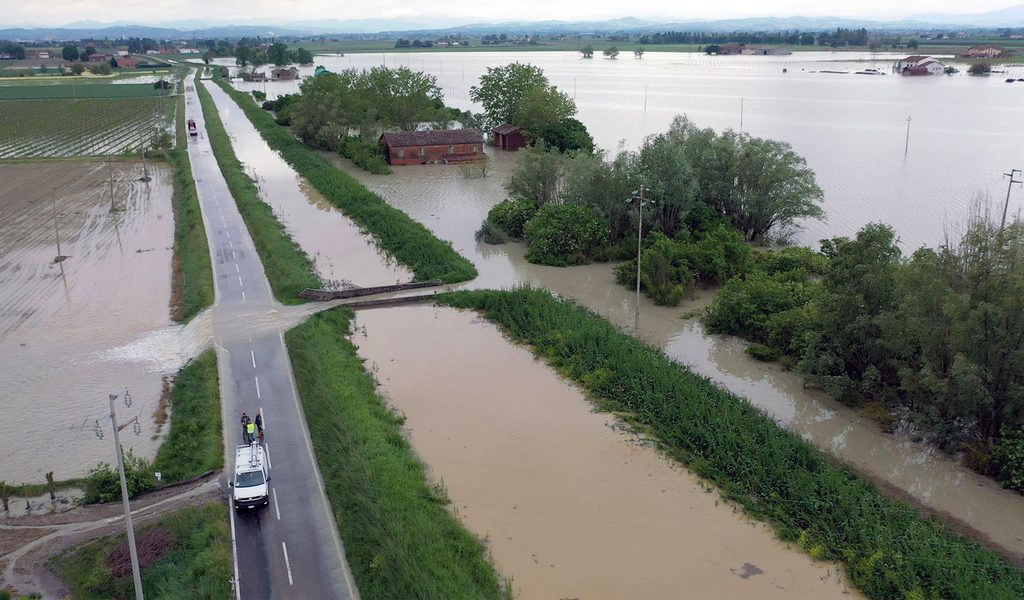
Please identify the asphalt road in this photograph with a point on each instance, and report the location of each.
(290, 549)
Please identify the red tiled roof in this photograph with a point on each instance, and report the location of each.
(914, 58)
(434, 137)
(504, 129)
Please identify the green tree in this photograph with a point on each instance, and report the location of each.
(502, 89)
(564, 235)
(77, 68)
(980, 68)
(303, 56)
(15, 50)
(207, 57)
(587, 51)
(541, 108)
(912, 44)
(243, 54)
(403, 97)
(279, 54)
(537, 176)
(101, 69)
(638, 52)
(89, 51)
(612, 52)
(567, 135)
(70, 53)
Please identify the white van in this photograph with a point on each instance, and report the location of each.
(252, 480)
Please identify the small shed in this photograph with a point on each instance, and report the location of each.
(507, 137)
(283, 74)
(434, 146)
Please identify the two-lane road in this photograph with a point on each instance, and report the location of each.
(290, 549)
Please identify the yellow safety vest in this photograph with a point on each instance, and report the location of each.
(250, 428)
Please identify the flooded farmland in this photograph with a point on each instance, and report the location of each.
(342, 254)
(452, 206)
(570, 507)
(94, 324)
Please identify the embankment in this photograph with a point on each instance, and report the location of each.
(400, 538)
(288, 268)
(408, 241)
(888, 549)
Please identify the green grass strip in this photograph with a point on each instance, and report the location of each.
(407, 240)
(197, 564)
(194, 444)
(889, 551)
(400, 539)
(193, 273)
(287, 266)
(70, 88)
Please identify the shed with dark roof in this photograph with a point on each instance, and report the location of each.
(507, 137)
(434, 146)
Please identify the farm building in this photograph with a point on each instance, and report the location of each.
(283, 74)
(985, 52)
(507, 137)
(435, 146)
(921, 65)
(98, 58)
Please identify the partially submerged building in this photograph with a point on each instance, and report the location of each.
(921, 65)
(434, 146)
(507, 137)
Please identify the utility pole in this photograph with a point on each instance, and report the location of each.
(145, 169)
(124, 495)
(1005, 204)
(640, 202)
(110, 177)
(56, 231)
(906, 145)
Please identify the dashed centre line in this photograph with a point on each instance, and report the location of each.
(287, 564)
(258, 395)
(252, 354)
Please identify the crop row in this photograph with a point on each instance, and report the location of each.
(93, 127)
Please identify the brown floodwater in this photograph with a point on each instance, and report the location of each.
(342, 254)
(452, 206)
(95, 324)
(569, 505)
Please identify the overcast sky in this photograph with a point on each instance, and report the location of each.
(60, 12)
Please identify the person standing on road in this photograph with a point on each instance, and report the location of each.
(245, 427)
(259, 425)
(250, 432)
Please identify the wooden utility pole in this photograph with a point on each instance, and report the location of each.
(906, 145)
(1009, 186)
(56, 231)
(110, 177)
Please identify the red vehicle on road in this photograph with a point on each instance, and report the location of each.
(192, 127)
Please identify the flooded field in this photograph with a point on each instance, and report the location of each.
(453, 206)
(95, 324)
(343, 255)
(570, 507)
(851, 128)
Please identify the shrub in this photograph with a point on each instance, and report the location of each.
(101, 69)
(744, 306)
(104, 485)
(511, 216)
(1008, 459)
(366, 155)
(721, 254)
(789, 259)
(489, 233)
(762, 352)
(563, 235)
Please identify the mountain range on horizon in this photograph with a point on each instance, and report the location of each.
(1010, 17)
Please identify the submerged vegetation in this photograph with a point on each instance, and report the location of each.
(288, 268)
(400, 538)
(889, 551)
(936, 339)
(694, 180)
(408, 241)
(186, 554)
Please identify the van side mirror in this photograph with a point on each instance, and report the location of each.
(268, 480)
(231, 484)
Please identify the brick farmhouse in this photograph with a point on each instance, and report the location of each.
(435, 146)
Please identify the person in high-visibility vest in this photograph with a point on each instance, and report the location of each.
(250, 432)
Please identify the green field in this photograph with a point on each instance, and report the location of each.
(59, 89)
(80, 127)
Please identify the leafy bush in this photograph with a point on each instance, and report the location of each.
(511, 216)
(562, 235)
(1008, 459)
(745, 306)
(366, 155)
(791, 258)
(489, 233)
(762, 352)
(104, 484)
(720, 254)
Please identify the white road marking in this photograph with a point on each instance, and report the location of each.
(277, 509)
(252, 354)
(287, 564)
(230, 245)
(240, 281)
(236, 268)
(227, 233)
(266, 450)
(243, 295)
(258, 395)
(233, 255)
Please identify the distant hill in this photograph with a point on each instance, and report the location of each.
(186, 29)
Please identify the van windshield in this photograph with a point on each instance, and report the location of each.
(250, 479)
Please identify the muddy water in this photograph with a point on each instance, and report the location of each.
(343, 255)
(97, 323)
(570, 507)
(452, 207)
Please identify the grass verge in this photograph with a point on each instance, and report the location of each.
(192, 283)
(194, 444)
(407, 240)
(187, 554)
(889, 551)
(400, 539)
(288, 267)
